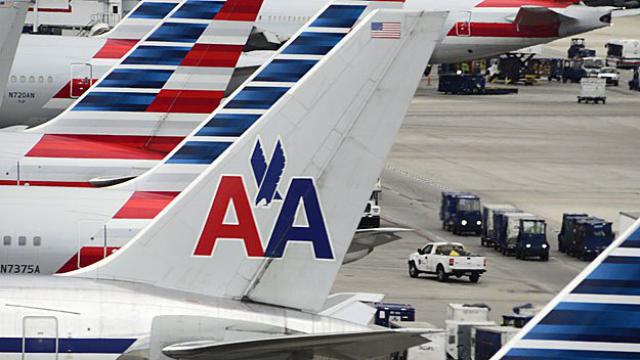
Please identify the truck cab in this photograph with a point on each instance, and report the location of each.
(488, 235)
(532, 239)
(592, 236)
(371, 215)
(460, 213)
(567, 230)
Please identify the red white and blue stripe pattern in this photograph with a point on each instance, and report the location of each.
(160, 91)
(597, 316)
(246, 106)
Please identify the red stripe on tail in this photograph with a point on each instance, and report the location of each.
(115, 49)
(239, 10)
(88, 255)
(214, 55)
(145, 204)
(186, 101)
(104, 146)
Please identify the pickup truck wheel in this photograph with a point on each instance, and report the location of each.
(474, 278)
(413, 270)
(442, 276)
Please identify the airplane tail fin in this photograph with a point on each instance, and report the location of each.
(271, 217)
(161, 89)
(596, 316)
(12, 15)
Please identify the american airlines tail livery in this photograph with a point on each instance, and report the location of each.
(166, 84)
(474, 29)
(238, 265)
(595, 317)
(84, 225)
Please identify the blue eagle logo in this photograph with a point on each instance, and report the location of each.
(268, 175)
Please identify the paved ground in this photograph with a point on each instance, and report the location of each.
(539, 150)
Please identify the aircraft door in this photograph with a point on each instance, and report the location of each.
(81, 79)
(92, 242)
(463, 26)
(39, 338)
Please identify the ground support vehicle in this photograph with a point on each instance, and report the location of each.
(532, 239)
(623, 54)
(509, 240)
(465, 84)
(388, 312)
(501, 225)
(610, 75)
(487, 340)
(634, 83)
(446, 259)
(567, 230)
(592, 236)
(460, 213)
(371, 216)
(572, 71)
(488, 236)
(592, 90)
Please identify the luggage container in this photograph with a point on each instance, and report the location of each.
(592, 236)
(468, 312)
(499, 226)
(593, 90)
(459, 337)
(566, 235)
(387, 312)
(487, 340)
(509, 232)
(488, 236)
(432, 350)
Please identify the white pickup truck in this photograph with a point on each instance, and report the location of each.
(446, 259)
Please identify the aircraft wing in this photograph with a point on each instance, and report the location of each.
(356, 345)
(539, 16)
(365, 240)
(351, 307)
(625, 12)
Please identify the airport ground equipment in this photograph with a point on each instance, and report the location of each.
(446, 259)
(468, 312)
(488, 236)
(532, 239)
(498, 227)
(459, 338)
(572, 71)
(509, 230)
(593, 90)
(465, 84)
(567, 230)
(592, 236)
(623, 54)
(371, 216)
(610, 75)
(487, 340)
(634, 83)
(592, 65)
(460, 213)
(577, 44)
(389, 312)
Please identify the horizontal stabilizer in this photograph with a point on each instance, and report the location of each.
(365, 240)
(539, 16)
(351, 307)
(625, 12)
(359, 345)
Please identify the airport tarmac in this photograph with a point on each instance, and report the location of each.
(539, 150)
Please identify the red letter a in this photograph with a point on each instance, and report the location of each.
(231, 188)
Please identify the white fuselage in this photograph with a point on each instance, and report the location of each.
(86, 319)
(40, 81)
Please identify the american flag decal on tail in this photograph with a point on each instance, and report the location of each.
(385, 30)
